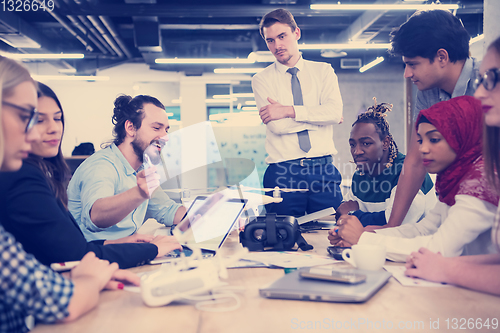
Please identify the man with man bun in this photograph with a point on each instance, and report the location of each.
(109, 195)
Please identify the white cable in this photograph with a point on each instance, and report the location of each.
(204, 303)
(219, 296)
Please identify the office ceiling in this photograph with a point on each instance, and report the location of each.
(112, 32)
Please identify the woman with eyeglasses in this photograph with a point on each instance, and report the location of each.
(481, 272)
(28, 288)
(47, 230)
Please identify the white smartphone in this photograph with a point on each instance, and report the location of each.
(332, 275)
(64, 266)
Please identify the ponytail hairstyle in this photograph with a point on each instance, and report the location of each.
(376, 115)
(54, 168)
(128, 108)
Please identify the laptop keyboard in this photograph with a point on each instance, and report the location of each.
(187, 252)
(177, 253)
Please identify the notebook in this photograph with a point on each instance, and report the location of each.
(292, 286)
(210, 235)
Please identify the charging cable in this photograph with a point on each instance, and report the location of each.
(219, 295)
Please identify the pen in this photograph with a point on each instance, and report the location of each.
(64, 266)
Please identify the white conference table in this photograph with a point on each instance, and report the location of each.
(394, 307)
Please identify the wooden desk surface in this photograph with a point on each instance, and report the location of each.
(413, 309)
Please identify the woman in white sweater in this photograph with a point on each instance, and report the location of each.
(450, 137)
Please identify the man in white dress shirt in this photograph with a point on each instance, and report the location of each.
(300, 102)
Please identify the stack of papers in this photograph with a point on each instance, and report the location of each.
(398, 272)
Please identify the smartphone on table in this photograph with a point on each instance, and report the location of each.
(327, 273)
(336, 251)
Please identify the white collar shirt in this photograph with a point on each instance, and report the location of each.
(463, 87)
(321, 110)
(104, 174)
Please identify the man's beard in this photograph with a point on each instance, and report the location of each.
(138, 150)
(153, 153)
(285, 60)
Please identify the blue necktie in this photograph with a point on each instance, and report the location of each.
(304, 142)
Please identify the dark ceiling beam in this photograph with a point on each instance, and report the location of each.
(215, 24)
(214, 11)
(147, 33)
(361, 24)
(103, 29)
(59, 18)
(207, 11)
(105, 34)
(97, 35)
(304, 25)
(77, 23)
(215, 27)
(213, 44)
(89, 65)
(19, 26)
(114, 33)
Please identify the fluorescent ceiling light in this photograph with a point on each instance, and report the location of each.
(21, 56)
(249, 108)
(203, 61)
(261, 56)
(237, 70)
(345, 46)
(476, 39)
(250, 103)
(69, 78)
(220, 100)
(20, 41)
(67, 70)
(371, 64)
(396, 6)
(234, 96)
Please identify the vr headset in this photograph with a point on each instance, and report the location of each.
(272, 233)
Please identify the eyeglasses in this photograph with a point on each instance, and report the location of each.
(489, 79)
(32, 119)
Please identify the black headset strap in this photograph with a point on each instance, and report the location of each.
(271, 229)
(303, 244)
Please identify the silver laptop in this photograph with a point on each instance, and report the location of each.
(292, 286)
(209, 236)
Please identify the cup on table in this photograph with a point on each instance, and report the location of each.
(369, 257)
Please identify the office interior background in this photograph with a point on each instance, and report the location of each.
(165, 48)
